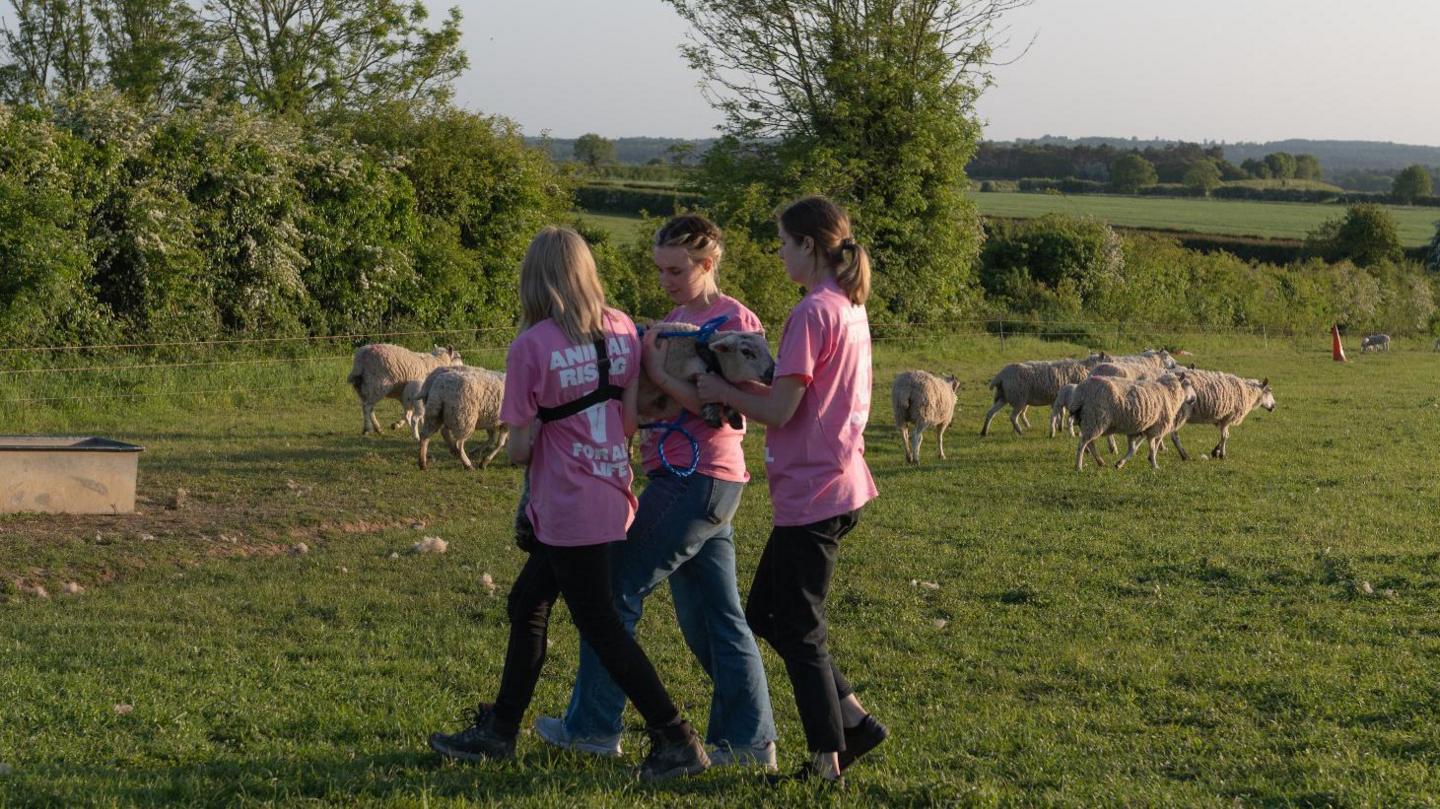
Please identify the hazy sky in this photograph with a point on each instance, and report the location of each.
(1222, 70)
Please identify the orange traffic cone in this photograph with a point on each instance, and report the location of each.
(1337, 349)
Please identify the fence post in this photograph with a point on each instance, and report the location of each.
(1002, 335)
(1266, 337)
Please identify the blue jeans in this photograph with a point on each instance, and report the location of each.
(682, 532)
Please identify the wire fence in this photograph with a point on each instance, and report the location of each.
(31, 385)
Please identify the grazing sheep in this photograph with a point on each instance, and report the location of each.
(1150, 362)
(1224, 400)
(1375, 342)
(383, 370)
(457, 402)
(1108, 405)
(1036, 382)
(741, 356)
(926, 400)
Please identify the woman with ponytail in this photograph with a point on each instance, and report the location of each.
(815, 413)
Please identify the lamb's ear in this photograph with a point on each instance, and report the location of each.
(722, 345)
(1265, 383)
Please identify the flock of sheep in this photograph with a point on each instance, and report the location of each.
(1144, 397)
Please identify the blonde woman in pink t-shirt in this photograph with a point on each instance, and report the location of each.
(571, 379)
(815, 414)
(683, 534)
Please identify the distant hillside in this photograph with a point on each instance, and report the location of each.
(1336, 156)
(628, 151)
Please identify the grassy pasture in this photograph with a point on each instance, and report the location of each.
(1275, 220)
(1260, 631)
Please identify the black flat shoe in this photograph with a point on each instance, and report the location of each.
(861, 739)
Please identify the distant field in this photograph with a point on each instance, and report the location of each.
(1275, 220)
(621, 228)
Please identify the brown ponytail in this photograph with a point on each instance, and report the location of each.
(828, 226)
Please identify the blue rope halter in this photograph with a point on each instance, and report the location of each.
(667, 427)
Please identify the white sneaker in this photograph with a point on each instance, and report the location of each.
(762, 756)
(552, 729)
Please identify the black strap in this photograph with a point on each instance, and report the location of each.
(604, 393)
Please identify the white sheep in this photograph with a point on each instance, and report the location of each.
(1060, 409)
(382, 371)
(1224, 400)
(1036, 382)
(1375, 342)
(925, 400)
(1113, 406)
(1151, 362)
(457, 402)
(741, 356)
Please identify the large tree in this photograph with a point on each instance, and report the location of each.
(299, 56)
(868, 101)
(594, 150)
(51, 49)
(1130, 172)
(1411, 183)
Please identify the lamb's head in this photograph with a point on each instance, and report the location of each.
(1096, 359)
(1267, 397)
(1180, 380)
(448, 354)
(743, 356)
(1166, 361)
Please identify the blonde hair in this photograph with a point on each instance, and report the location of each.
(829, 226)
(701, 239)
(558, 281)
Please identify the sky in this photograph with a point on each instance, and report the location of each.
(1225, 70)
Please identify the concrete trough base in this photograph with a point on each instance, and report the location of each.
(67, 475)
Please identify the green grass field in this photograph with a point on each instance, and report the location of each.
(1261, 631)
(621, 228)
(1275, 220)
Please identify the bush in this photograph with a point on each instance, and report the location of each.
(1366, 235)
(1047, 263)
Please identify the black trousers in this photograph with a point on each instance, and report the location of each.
(787, 608)
(582, 576)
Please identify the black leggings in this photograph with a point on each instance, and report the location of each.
(582, 576)
(787, 609)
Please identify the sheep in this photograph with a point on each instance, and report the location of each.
(1150, 361)
(1036, 382)
(458, 401)
(1060, 409)
(1375, 342)
(382, 370)
(1224, 400)
(741, 356)
(926, 400)
(1109, 405)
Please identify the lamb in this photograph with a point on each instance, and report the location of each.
(382, 370)
(740, 356)
(1060, 409)
(926, 400)
(1224, 400)
(1037, 382)
(459, 400)
(1109, 405)
(1375, 342)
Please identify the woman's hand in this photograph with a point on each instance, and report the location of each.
(652, 356)
(712, 388)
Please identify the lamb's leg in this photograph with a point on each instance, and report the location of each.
(1110, 441)
(1080, 454)
(1016, 414)
(1219, 451)
(497, 442)
(940, 439)
(1175, 439)
(1155, 450)
(372, 423)
(419, 418)
(985, 428)
(1025, 417)
(425, 445)
(916, 438)
(1055, 414)
(1134, 442)
(904, 439)
(459, 449)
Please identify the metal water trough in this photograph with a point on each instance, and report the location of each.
(67, 474)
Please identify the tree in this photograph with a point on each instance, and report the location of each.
(51, 50)
(304, 56)
(870, 102)
(594, 150)
(680, 152)
(1432, 251)
(1256, 168)
(1366, 235)
(149, 47)
(1130, 172)
(1412, 183)
(1202, 175)
(1281, 165)
(1307, 167)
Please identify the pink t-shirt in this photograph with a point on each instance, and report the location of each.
(579, 467)
(815, 462)
(721, 455)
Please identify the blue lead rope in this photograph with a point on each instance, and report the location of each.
(667, 427)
